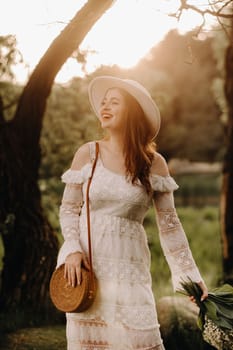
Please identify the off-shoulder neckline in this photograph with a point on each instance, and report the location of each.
(101, 163)
(89, 164)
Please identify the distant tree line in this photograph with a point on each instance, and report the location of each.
(179, 72)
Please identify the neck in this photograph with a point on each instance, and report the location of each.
(115, 143)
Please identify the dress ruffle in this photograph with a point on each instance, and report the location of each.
(163, 183)
(77, 176)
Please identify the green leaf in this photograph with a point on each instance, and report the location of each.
(211, 309)
(201, 320)
(218, 307)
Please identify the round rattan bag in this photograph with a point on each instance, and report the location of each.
(72, 299)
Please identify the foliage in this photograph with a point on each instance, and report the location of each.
(10, 94)
(9, 56)
(218, 306)
(215, 318)
(219, 45)
(198, 189)
(68, 124)
(192, 113)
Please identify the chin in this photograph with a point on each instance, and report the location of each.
(106, 125)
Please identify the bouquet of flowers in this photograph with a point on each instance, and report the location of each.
(215, 317)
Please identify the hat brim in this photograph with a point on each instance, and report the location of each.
(99, 86)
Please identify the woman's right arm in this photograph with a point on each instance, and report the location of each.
(71, 252)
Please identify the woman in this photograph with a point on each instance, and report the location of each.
(129, 174)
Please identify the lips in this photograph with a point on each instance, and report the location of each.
(106, 115)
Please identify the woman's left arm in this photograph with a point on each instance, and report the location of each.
(174, 243)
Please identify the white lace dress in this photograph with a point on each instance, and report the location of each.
(123, 316)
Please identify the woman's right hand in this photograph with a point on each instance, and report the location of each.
(73, 264)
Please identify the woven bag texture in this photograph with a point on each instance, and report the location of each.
(72, 299)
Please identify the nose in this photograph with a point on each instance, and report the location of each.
(105, 106)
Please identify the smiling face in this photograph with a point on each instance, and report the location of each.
(113, 110)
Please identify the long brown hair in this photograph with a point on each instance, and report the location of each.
(139, 147)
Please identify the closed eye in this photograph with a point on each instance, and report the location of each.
(114, 101)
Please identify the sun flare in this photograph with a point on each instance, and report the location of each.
(122, 36)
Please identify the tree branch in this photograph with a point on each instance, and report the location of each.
(224, 27)
(225, 5)
(216, 13)
(32, 102)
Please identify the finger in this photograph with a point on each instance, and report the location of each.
(78, 274)
(204, 296)
(65, 272)
(69, 275)
(192, 299)
(73, 277)
(204, 290)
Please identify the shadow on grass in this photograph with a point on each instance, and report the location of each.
(44, 338)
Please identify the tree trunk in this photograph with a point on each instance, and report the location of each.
(30, 245)
(227, 184)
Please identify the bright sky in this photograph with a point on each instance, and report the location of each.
(122, 36)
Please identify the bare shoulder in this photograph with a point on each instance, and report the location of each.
(159, 165)
(81, 157)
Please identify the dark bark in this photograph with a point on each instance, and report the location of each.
(227, 184)
(30, 244)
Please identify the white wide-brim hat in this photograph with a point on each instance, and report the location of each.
(99, 86)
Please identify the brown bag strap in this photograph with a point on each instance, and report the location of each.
(88, 211)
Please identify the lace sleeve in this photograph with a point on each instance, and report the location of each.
(70, 209)
(174, 241)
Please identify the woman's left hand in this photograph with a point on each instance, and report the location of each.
(204, 289)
